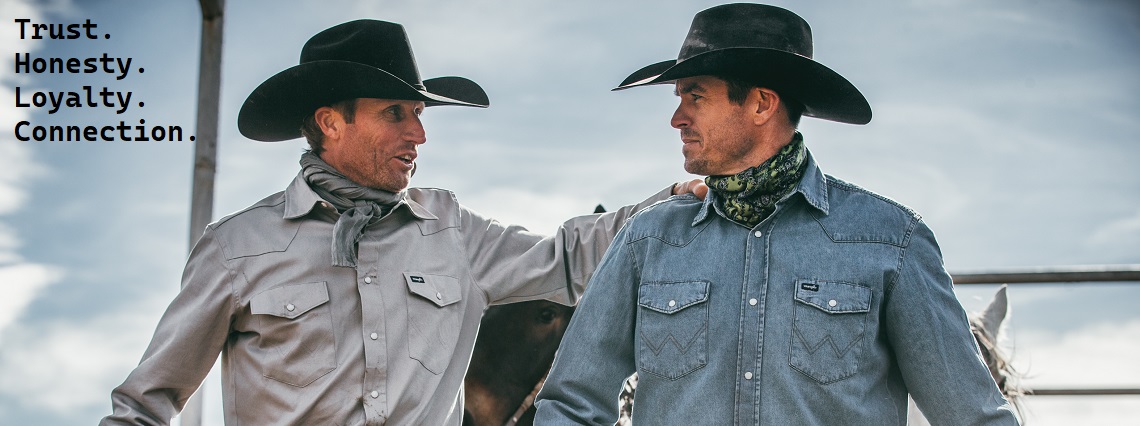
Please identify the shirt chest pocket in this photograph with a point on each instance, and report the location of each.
(434, 314)
(829, 329)
(294, 326)
(672, 328)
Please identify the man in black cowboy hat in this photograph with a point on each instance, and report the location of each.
(787, 296)
(350, 298)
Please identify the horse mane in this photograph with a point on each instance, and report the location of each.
(988, 328)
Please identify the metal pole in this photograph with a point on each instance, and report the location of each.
(1067, 274)
(1081, 392)
(205, 147)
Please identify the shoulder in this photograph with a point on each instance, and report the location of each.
(438, 209)
(269, 207)
(670, 221)
(433, 197)
(856, 214)
(257, 229)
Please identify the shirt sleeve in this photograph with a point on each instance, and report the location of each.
(936, 353)
(597, 355)
(186, 342)
(511, 264)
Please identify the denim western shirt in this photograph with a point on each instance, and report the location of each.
(828, 312)
(387, 342)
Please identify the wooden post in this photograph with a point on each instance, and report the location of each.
(205, 147)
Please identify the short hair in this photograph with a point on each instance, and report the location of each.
(739, 87)
(312, 131)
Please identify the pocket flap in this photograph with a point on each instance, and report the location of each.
(441, 290)
(669, 298)
(289, 300)
(833, 296)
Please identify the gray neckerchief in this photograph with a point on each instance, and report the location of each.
(359, 205)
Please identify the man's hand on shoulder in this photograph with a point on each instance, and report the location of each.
(696, 187)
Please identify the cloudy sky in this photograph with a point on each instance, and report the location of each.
(1012, 126)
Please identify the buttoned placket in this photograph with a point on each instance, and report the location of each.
(752, 303)
(372, 323)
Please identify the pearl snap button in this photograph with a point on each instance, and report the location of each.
(438, 296)
(832, 303)
(672, 303)
(758, 234)
(375, 394)
(374, 336)
(752, 302)
(368, 280)
(748, 375)
(290, 307)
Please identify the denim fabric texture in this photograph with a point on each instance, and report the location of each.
(828, 312)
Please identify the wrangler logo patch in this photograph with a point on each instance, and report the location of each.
(805, 286)
(417, 279)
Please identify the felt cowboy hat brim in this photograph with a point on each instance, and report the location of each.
(275, 109)
(359, 59)
(824, 93)
(763, 45)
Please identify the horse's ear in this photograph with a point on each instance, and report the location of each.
(996, 313)
(599, 209)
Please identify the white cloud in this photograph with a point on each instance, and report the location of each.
(1125, 229)
(15, 157)
(19, 285)
(1096, 356)
(1099, 356)
(67, 367)
(19, 282)
(539, 212)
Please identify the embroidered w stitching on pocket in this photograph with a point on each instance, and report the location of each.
(829, 329)
(672, 327)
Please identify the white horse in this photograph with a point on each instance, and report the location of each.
(988, 328)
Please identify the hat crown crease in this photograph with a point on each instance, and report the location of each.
(752, 26)
(356, 41)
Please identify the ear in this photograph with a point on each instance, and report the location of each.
(767, 104)
(995, 314)
(330, 121)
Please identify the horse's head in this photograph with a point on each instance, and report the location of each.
(513, 351)
(988, 328)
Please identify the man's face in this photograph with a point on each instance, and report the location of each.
(713, 128)
(378, 149)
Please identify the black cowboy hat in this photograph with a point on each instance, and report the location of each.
(358, 59)
(763, 44)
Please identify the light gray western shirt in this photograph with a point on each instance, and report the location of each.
(387, 342)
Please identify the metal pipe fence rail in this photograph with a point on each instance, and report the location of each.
(1073, 275)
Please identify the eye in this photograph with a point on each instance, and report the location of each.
(546, 316)
(396, 112)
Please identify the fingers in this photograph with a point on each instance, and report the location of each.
(696, 187)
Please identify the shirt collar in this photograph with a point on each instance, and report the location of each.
(300, 200)
(813, 186)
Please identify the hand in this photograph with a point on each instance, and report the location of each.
(696, 187)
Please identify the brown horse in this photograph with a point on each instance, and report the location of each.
(513, 352)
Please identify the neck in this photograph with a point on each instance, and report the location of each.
(767, 145)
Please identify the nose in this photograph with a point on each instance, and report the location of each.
(415, 132)
(680, 120)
